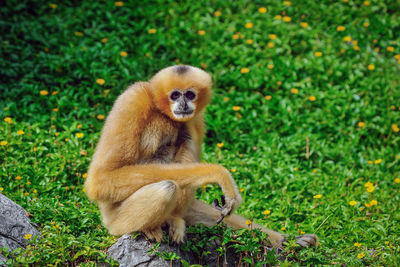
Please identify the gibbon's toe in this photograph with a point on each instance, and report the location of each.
(308, 240)
(177, 229)
(154, 234)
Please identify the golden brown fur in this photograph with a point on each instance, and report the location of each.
(146, 166)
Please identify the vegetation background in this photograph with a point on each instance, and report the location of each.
(305, 114)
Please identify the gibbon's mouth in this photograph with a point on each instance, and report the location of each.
(183, 113)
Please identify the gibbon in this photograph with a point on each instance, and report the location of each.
(146, 166)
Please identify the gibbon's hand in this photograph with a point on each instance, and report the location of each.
(227, 207)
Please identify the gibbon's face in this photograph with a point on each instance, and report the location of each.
(181, 91)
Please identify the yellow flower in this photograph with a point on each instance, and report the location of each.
(236, 108)
(340, 28)
(8, 120)
(356, 47)
(362, 208)
(371, 189)
(44, 92)
(371, 66)
(397, 180)
(272, 36)
(367, 205)
(28, 236)
(361, 124)
(248, 222)
(366, 24)
(304, 24)
(79, 135)
(100, 117)
(152, 31)
(287, 3)
(3, 143)
(270, 66)
(26, 194)
(356, 244)
(20, 132)
(220, 145)
(279, 83)
(270, 45)
(123, 54)
(361, 255)
(226, 99)
(217, 13)
(119, 3)
(278, 17)
(317, 196)
(312, 98)
(104, 40)
(18, 178)
(395, 128)
(84, 175)
(397, 57)
(79, 126)
(262, 10)
(100, 81)
(378, 161)
(34, 191)
(347, 39)
(302, 232)
(283, 228)
(201, 32)
(55, 109)
(56, 134)
(318, 54)
(53, 6)
(266, 212)
(1, 189)
(249, 25)
(368, 184)
(268, 97)
(233, 170)
(235, 36)
(84, 190)
(315, 171)
(373, 202)
(294, 91)
(287, 19)
(203, 65)
(241, 189)
(367, 3)
(244, 70)
(352, 203)
(249, 41)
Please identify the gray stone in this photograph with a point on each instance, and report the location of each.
(14, 225)
(131, 252)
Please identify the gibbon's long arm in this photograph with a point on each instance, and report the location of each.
(121, 183)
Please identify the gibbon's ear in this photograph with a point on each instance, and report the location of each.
(180, 78)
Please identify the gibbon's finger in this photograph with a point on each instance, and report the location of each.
(216, 205)
(220, 219)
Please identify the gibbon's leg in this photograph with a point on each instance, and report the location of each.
(145, 210)
(200, 212)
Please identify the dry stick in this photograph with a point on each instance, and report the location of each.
(307, 148)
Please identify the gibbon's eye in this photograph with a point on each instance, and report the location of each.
(175, 95)
(190, 95)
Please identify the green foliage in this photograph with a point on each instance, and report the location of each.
(291, 123)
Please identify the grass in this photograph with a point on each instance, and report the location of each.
(306, 111)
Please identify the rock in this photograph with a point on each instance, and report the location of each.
(131, 252)
(14, 226)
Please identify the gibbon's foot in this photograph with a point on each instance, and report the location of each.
(154, 234)
(177, 229)
(305, 241)
(308, 240)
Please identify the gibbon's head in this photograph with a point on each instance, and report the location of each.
(181, 91)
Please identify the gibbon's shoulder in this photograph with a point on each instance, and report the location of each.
(132, 106)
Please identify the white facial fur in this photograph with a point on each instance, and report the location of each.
(175, 108)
